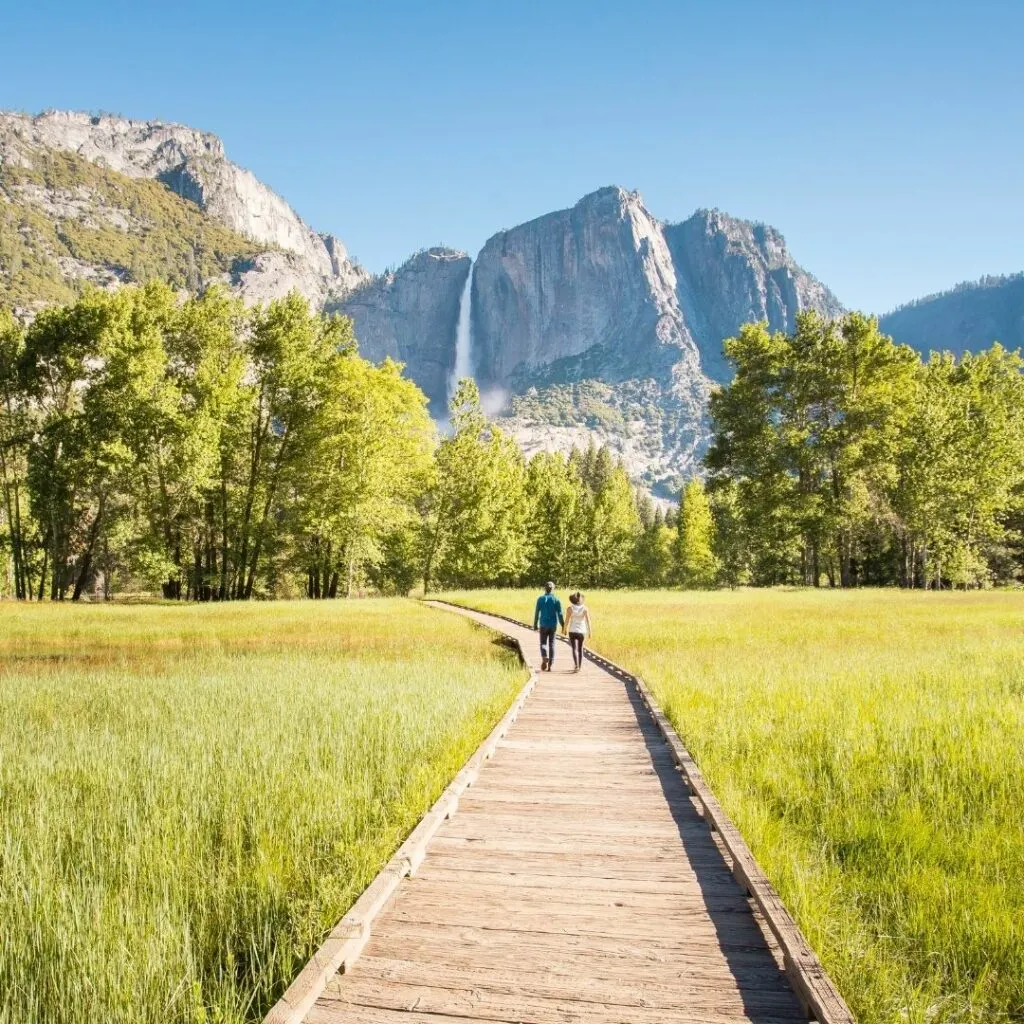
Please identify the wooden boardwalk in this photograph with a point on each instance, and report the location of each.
(576, 882)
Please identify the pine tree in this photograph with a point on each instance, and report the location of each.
(697, 565)
(476, 509)
(557, 520)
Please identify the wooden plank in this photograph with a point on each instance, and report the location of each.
(576, 884)
(360, 992)
(703, 970)
(677, 932)
(576, 881)
(509, 980)
(496, 899)
(349, 936)
(606, 953)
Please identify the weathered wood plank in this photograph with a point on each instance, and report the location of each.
(508, 980)
(596, 951)
(358, 991)
(576, 881)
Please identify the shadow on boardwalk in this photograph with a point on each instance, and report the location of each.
(747, 960)
(576, 882)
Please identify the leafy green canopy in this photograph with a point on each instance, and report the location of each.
(217, 452)
(839, 455)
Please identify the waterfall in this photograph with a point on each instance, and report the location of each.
(463, 336)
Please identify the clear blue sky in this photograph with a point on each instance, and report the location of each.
(885, 140)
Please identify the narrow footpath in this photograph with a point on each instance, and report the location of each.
(575, 882)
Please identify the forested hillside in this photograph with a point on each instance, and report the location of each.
(967, 318)
(66, 224)
(207, 451)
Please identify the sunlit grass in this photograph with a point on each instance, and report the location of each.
(870, 746)
(190, 797)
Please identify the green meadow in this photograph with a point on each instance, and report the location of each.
(190, 797)
(870, 746)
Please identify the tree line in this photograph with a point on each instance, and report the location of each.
(200, 449)
(205, 451)
(841, 458)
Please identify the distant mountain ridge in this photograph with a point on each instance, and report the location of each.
(968, 317)
(75, 194)
(598, 321)
(605, 321)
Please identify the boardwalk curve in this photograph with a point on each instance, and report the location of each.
(578, 881)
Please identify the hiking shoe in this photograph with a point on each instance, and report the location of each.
(543, 664)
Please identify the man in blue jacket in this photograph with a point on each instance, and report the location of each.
(548, 615)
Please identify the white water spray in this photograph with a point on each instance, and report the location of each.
(463, 336)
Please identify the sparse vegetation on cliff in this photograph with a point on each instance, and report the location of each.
(66, 223)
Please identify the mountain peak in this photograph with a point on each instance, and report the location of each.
(192, 164)
(131, 147)
(613, 198)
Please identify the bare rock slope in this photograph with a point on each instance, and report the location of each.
(191, 164)
(601, 320)
(730, 272)
(410, 315)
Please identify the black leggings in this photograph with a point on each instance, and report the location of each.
(576, 642)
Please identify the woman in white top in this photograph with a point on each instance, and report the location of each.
(577, 625)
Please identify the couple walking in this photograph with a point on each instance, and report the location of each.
(547, 616)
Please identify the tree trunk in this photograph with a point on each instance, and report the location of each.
(83, 574)
(351, 571)
(257, 548)
(197, 570)
(13, 529)
(223, 590)
(255, 462)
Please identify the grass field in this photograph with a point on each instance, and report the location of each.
(870, 746)
(190, 797)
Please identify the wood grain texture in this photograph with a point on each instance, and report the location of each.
(578, 881)
(348, 938)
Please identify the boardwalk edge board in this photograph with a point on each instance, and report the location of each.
(814, 988)
(346, 941)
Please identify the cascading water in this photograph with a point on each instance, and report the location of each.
(463, 336)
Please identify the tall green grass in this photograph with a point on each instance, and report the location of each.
(870, 746)
(190, 797)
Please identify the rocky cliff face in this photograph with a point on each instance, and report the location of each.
(193, 165)
(410, 315)
(968, 318)
(606, 290)
(730, 272)
(589, 291)
(606, 297)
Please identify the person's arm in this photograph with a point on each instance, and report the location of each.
(536, 612)
(561, 617)
(590, 625)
